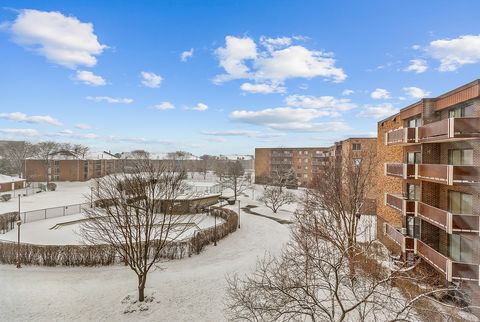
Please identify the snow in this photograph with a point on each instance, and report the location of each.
(8, 179)
(191, 289)
(45, 232)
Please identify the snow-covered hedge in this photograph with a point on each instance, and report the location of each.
(95, 255)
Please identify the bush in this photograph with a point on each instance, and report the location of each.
(6, 197)
(51, 186)
(42, 187)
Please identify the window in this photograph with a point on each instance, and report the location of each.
(461, 248)
(459, 202)
(305, 175)
(414, 122)
(305, 160)
(413, 157)
(413, 227)
(357, 161)
(306, 152)
(413, 192)
(457, 112)
(356, 146)
(460, 157)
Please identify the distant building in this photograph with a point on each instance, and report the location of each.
(8, 183)
(68, 166)
(307, 162)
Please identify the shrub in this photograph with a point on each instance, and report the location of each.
(6, 197)
(51, 186)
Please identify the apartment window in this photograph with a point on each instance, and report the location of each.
(306, 168)
(356, 146)
(305, 160)
(305, 175)
(56, 162)
(56, 178)
(413, 227)
(413, 157)
(413, 192)
(414, 122)
(300, 152)
(461, 248)
(459, 202)
(357, 161)
(460, 157)
(306, 152)
(457, 112)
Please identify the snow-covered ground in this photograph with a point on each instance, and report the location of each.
(191, 289)
(46, 232)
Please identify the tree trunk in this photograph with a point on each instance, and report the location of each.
(142, 279)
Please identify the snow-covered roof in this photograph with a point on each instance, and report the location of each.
(8, 179)
(237, 157)
(69, 155)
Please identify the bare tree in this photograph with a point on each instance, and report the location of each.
(339, 193)
(232, 176)
(310, 280)
(14, 154)
(275, 194)
(44, 151)
(205, 164)
(138, 216)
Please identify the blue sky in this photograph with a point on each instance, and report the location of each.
(254, 73)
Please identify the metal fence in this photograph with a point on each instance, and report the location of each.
(42, 214)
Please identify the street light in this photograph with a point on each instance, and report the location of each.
(238, 213)
(19, 223)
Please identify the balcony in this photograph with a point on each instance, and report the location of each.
(401, 170)
(284, 154)
(450, 269)
(446, 220)
(449, 174)
(450, 129)
(401, 136)
(406, 243)
(398, 202)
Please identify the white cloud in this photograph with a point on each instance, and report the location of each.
(151, 80)
(380, 93)
(63, 40)
(244, 133)
(263, 88)
(327, 103)
(37, 119)
(200, 107)
(89, 78)
(186, 55)
(378, 111)
(164, 106)
(83, 126)
(275, 43)
(417, 65)
(348, 92)
(20, 132)
(278, 63)
(108, 99)
(454, 53)
(415, 92)
(232, 57)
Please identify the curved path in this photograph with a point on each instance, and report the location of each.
(192, 289)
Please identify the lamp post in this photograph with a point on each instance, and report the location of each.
(91, 197)
(19, 223)
(238, 213)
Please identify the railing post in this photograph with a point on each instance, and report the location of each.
(416, 135)
(451, 129)
(416, 171)
(450, 174)
(448, 269)
(449, 227)
(405, 170)
(415, 246)
(404, 207)
(45, 213)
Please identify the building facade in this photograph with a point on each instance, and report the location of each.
(309, 162)
(428, 201)
(67, 166)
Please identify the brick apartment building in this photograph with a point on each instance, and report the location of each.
(308, 162)
(428, 202)
(67, 166)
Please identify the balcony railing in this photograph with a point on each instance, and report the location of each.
(434, 258)
(452, 270)
(401, 136)
(401, 170)
(406, 243)
(451, 128)
(282, 154)
(448, 221)
(398, 202)
(448, 174)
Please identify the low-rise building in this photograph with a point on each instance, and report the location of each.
(8, 183)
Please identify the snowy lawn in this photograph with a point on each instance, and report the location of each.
(191, 289)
